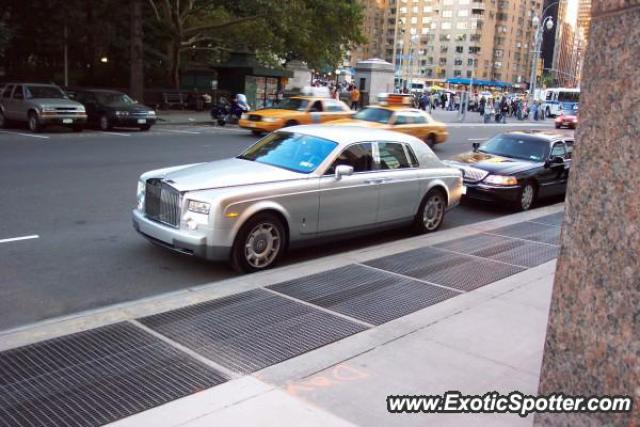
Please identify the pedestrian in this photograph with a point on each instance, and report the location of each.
(443, 100)
(483, 102)
(355, 98)
(504, 110)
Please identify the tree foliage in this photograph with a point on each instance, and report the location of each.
(177, 35)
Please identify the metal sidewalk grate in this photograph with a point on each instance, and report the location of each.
(364, 293)
(95, 377)
(251, 330)
(445, 268)
(511, 251)
(552, 219)
(531, 231)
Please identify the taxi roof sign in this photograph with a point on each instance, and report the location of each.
(399, 99)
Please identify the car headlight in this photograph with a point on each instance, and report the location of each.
(140, 194)
(269, 120)
(244, 116)
(198, 207)
(122, 113)
(501, 180)
(151, 113)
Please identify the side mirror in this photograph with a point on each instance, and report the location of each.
(476, 146)
(343, 170)
(554, 161)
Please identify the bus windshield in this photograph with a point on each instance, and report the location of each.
(568, 96)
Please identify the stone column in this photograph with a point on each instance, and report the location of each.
(593, 337)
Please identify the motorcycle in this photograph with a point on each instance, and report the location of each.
(230, 112)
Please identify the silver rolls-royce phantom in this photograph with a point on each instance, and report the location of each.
(293, 187)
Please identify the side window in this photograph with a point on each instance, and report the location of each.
(333, 106)
(412, 156)
(558, 150)
(316, 107)
(359, 156)
(419, 118)
(7, 91)
(17, 93)
(402, 119)
(569, 145)
(392, 156)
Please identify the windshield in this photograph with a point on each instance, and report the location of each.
(516, 147)
(378, 115)
(291, 151)
(114, 98)
(43, 92)
(568, 96)
(295, 104)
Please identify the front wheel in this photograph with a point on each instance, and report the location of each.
(4, 123)
(431, 212)
(431, 141)
(527, 197)
(259, 244)
(34, 122)
(105, 123)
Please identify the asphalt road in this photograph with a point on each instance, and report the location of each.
(76, 191)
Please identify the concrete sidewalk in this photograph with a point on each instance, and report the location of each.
(490, 339)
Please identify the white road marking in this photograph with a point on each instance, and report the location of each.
(30, 135)
(179, 131)
(477, 139)
(15, 239)
(117, 133)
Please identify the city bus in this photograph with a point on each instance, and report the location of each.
(559, 100)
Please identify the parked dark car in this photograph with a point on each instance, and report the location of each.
(109, 108)
(517, 167)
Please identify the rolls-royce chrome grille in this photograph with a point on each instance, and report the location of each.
(162, 202)
(473, 174)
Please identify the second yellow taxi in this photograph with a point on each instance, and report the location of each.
(395, 114)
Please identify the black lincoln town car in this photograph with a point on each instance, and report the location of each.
(517, 167)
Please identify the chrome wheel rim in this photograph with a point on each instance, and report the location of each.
(262, 245)
(527, 197)
(433, 212)
(33, 124)
(104, 123)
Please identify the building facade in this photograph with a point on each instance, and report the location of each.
(436, 40)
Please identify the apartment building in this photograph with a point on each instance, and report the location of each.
(452, 39)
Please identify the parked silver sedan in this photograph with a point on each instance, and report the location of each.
(292, 187)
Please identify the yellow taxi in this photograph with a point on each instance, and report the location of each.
(297, 110)
(397, 114)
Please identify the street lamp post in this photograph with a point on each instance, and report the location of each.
(539, 26)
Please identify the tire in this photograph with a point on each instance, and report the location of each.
(547, 112)
(430, 141)
(78, 128)
(34, 123)
(256, 132)
(259, 244)
(4, 123)
(526, 197)
(431, 212)
(222, 122)
(104, 123)
(557, 126)
(145, 128)
(291, 123)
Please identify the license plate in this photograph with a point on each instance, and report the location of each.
(142, 121)
(464, 190)
(67, 121)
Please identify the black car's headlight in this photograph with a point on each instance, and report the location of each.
(122, 113)
(501, 180)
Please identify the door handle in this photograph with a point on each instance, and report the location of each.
(374, 181)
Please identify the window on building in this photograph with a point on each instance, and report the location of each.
(459, 49)
(461, 25)
(446, 25)
(474, 49)
(457, 61)
(469, 74)
(447, 13)
(457, 73)
(463, 12)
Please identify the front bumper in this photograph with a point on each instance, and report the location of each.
(62, 119)
(492, 193)
(133, 121)
(259, 126)
(177, 240)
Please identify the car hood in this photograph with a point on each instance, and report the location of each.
(277, 113)
(55, 102)
(128, 107)
(226, 173)
(493, 164)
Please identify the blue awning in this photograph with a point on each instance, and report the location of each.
(478, 82)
